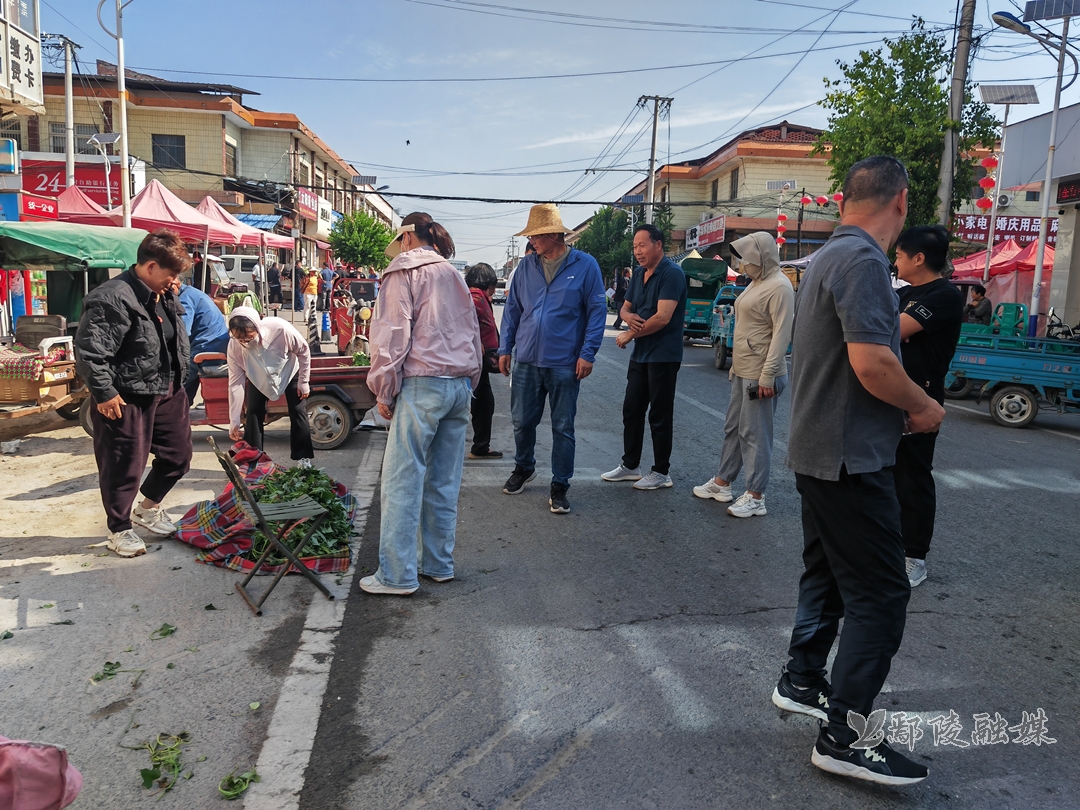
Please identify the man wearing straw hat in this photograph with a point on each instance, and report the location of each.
(553, 324)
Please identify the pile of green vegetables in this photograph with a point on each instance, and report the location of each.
(287, 485)
(361, 359)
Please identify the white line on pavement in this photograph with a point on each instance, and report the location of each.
(1031, 427)
(289, 740)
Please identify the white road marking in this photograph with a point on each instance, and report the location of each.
(289, 740)
(1031, 427)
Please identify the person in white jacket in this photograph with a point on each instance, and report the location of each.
(268, 358)
(759, 373)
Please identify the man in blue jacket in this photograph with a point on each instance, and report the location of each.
(553, 324)
(206, 328)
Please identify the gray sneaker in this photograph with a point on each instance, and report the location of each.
(916, 571)
(154, 520)
(654, 480)
(126, 543)
(622, 473)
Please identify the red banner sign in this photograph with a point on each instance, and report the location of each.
(975, 228)
(47, 177)
(34, 207)
(307, 203)
(704, 234)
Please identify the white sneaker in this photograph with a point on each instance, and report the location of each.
(372, 585)
(621, 473)
(916, 571)
(747, 506)
(304, 464)
(126, 543)
(654, 480)
(711, 489)
(154, 520)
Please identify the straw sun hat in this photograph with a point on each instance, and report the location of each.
(544, 218)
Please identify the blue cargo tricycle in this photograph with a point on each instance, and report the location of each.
(722, 329)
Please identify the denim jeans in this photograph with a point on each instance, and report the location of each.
(421, 480)
(748, 435)
(530, 387)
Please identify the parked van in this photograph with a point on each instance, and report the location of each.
(239, 268)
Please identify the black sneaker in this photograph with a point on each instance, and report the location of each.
(879, 764)
(558, 503)
(517, 480)
(813, 700)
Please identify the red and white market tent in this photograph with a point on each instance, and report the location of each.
(210, 207)
(75, 206)
(1012, 271)
(157, 207)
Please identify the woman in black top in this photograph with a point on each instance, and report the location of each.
(931, 311)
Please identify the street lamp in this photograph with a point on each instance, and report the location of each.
(101, 140)
(121, 93)
(1011, 23)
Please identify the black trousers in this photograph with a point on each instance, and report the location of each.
(649, 387)
(916, 491)
(299, 428)
(854, 569)
(483, 408)
(618, 313)
(275, 294)
(147, 424)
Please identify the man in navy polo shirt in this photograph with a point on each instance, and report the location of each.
(654, 310)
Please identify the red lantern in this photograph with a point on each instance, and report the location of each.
(822, 200)
(987, 183)
(781, 241)
(989, 162)
(984, 203)
(782, 217)
(781, 228)
(806, 200)
(838, 196)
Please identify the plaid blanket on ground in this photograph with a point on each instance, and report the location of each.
(221, 530)
(20, 363)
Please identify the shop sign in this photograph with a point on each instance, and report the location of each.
(307, 203)
(49, 178)
(34, 207)
(704, 234)
(325, 221)
(975, 228)
(9, 207)
(9, 156)
(21, 74)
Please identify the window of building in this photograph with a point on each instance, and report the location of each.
(169, 151)
(58, 138)
(733, 191)
(1032, 196)
(663, 194)
(714, 191)
(12, 128)
(230, 160)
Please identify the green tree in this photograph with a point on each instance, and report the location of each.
(895, 101)
(608, 240)
(359, 239)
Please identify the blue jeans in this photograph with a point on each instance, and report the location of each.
(421, 480)
(531, 386)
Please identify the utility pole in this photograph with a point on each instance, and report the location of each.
(121, 92)
(956, 110)
(661, 105)
(69, 115)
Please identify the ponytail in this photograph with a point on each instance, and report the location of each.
(431, 233)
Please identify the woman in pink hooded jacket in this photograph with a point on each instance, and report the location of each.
(268, 358)
(425, 363)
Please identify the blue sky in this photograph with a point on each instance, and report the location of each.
(525, 139)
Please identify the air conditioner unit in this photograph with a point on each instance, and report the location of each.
(1005, 200)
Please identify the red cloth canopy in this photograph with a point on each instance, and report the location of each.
(251, 236)
(1008, 257)
(157, 207)
(75, 206)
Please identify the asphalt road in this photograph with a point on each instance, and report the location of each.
(624, 655)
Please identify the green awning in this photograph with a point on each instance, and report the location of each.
(67, 246)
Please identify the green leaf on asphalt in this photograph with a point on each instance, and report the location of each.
(202, 758)
(6, 635)
(231, 787)
(164, 631)
(128, 649)
(192, 649)
(149, 776)
(254, 706)
(46, 606)
(169, 666)
(108, 672)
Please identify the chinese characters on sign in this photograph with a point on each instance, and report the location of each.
(307, 203)
(709, 232)
(47, 177)
(975, 228)
(21, 50)
(904, 729)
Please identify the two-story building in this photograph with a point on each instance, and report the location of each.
(741, 187)
(200, 138)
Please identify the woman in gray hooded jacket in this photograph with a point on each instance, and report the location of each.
(763, 317)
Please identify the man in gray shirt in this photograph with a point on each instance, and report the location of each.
(851, 402)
